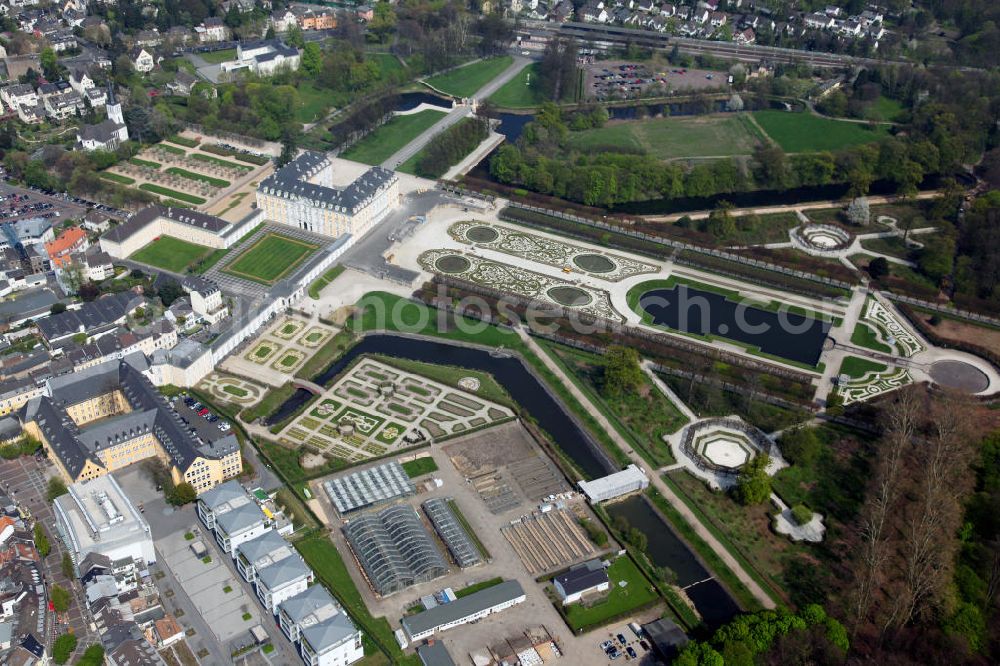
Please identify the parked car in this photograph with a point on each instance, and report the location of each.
(631, 652)
(203, 411)
(621, 639)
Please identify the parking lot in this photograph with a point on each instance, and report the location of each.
(30, 203)
(620, 79)
(619, 641)
(191, 414)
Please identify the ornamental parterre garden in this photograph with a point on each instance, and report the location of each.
(375, 408)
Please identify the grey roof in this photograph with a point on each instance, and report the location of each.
(117, 429)
(291, 181)
(266, 549)
(240, 519)
(90, 317)
(71, 444)
(435, 654)
(283, 572)
(394, 549)
(32, 227)
(451, 531)
(369, 486)
(225, 496)
(582, 577)
(149, 215)
(103, 131)
(429, 620)
(310, 603)
(329, 634)
(665, 636)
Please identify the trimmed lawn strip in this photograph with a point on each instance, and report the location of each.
(419, 467)
(171, 254)
(326, 278)
(269, 403)
(216, 57)
(202, 157)
(117, 178)
(856, 368)
(385, 141)
(864, 336)
(519, 93)
(476, 587)
(166, 191)
(191, 175)
(325, 355)
(183, 141)
(171, 149)
(144, 163)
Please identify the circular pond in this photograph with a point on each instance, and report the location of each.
(959, 375)
(594, 263)
(570, 296)
(452, 263)
(482, 234)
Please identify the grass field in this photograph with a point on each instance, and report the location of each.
(270, 259)
(202, 157)
(323, 280)
(671, 138)
(117, 178)
(381, 144)
(191, 175)
(171, 149)
(145, 163)
(215, 57)
(464, 81)
(636, 594)
(855, 367)
(884, 109)
(419, 467)
(518, 93)
(806, 133)
(171, 254)
(863, 336)
(174, 194)
(313, 102)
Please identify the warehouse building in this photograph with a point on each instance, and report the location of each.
(96, 517)
(394, 549)
(369, 487)
(452, 532)
(629, 480)
(302, 194)
(462, 611)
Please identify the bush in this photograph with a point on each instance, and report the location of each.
(92, 656)
(800, 446)
(801, 514)
(594, 532)
(63, 647)
(42, 544)
(753, 486)
(60, 598)
(56, 488)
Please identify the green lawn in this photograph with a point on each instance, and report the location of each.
(518, 93)
(464, 81)
(384, 142)
(671, 138)
(269, 259)
(167, 192)
(215, 57)
(171, 149)
(183, 141)
(313, 103)
(806, 133)
(884, 109)
(191, 175)
(864, 336)
(892, 246)
(856, 368)
(202, 157)
(387, 63)
(419, 467)
(117, 178)
(476, 587)
(171, 254)
(326, 278)
(637, 593)
(145, 163)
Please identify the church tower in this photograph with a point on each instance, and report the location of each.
(114, 107)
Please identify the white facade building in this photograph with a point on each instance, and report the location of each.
(629, 480)
(474, 607)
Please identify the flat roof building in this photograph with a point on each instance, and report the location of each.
(369, 487)
(629, 480)
(464, 610)
(96, 517)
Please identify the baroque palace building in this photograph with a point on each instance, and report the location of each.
(301, 194)
(110, 416)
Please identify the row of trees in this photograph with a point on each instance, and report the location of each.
(451, 146)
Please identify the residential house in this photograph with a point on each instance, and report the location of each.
(179, 35)
(594, 12)
(62, 40)
(849, 28)
(19, 95)
(182, 84)
(282, 580)
(141, 59)
(97, 265)
(148, 38)
(283, 21)
(80, 81)
(583, 579)
(717, 19)
(97, 97)
(63, 105)
(747, 36)
(700, 16)
(364, 13)
(97, 221)
(832, 10)
(817, 21)
(65, 244)
(317, 19)
(212, 29)
(667, 10)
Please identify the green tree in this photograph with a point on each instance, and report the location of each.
(697, 653)
(622, 373)
(63, 647)
(720, 223)
(312, 58)
(383, 21)
(92, 656)
(879, 268)
(60, 598)
(57, 308)
(800, 446)
(42, 544)
(182, 493)
(50, 64)
(936, 257)
(56, 488)
(294, 37)
(67, 567)
(753, 485)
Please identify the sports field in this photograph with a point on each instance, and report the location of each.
(269, 259)
(171, 254)
(672, 138)
(518, 93)
(464, 81)
(806, 133)
(383, 143)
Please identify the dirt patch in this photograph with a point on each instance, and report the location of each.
(312, 461)
(949, 329)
